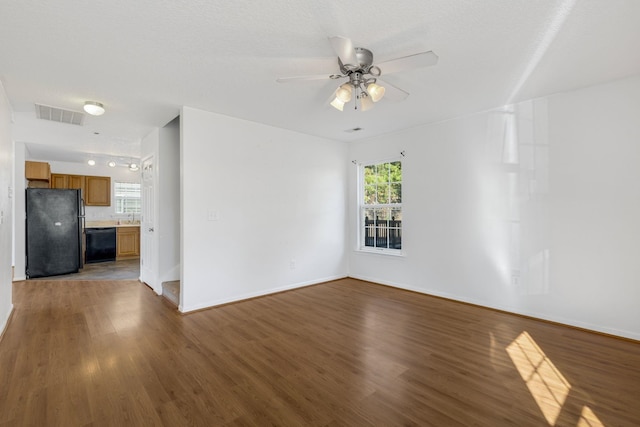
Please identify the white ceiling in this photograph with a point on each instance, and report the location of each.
(144, 59)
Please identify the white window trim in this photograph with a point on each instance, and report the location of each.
(360, 247)
(115, 204)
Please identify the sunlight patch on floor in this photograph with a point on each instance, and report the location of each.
(546, 384)
(588, 419)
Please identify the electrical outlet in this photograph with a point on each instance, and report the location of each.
(292, 264)
(515, 278)
(213, 215)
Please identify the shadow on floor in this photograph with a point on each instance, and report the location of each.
(111, 270)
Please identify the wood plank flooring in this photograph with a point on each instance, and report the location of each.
(344, 353)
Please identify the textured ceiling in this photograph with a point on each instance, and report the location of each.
(144, 59)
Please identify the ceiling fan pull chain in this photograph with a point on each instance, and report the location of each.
(355, 103)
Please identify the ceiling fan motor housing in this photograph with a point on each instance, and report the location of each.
(364, 58)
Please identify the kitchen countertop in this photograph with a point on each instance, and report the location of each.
(110, 223)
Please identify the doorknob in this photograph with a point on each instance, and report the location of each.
(150, 230)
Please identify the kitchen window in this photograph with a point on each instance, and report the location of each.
(127, 198)
(380, 207)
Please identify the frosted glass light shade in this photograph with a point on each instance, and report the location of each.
(94, 108)
(337, 104)
(365, 103)
(375, 91)
(344, 93)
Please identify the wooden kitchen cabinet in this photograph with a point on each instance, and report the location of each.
(59, 181)
(127, 242)
(37, 171)
(97, 191)
(64, 181)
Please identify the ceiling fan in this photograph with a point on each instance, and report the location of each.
(364, 85)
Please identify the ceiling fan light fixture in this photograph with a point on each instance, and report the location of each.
(344, 93)
(375, 91)
(94, 108)
(366, 103)
(337, 104)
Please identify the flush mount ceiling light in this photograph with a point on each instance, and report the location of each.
(364, 85)
(111, 164)
(91, 162)
(133, 166)
(94, 108)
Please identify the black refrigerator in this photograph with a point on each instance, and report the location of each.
(54, 231)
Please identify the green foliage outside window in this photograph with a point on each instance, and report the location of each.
(383, 183)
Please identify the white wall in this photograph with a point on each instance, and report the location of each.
(277, 200)
(6, 208)
(533, 209)
(19, 213)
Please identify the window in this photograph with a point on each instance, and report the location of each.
(381, 207)
(127, 195)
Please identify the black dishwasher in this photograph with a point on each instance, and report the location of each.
(101, 244)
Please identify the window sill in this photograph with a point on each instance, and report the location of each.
(388, 252)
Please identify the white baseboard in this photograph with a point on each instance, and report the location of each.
(250, 295)
(540, 316)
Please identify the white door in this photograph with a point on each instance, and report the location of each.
(148, 242)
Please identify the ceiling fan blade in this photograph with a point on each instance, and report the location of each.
(417, 60)
(343, 47)
(392, 93)
(304, 78)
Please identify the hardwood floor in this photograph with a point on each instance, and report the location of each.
(347, 352)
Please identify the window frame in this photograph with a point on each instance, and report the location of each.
(117, 200)
(362, 207)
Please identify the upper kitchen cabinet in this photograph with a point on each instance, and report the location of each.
(37, 170)
(97, 191)
(64, 181)
(38, 173)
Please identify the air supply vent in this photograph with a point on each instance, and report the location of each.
(46, 112)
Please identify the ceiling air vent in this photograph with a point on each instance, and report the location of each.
(46, 112)
(353, 130)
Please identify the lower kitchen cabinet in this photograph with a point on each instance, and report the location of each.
(127, 242)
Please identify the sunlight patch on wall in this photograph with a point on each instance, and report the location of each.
(545, 39)
(546, 384)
